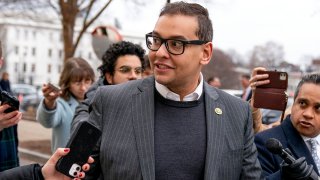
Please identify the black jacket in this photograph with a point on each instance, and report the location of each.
(28, 172)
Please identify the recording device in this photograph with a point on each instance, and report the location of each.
(12, 101)
(274, 146)
(272, 95)
(81, 144)
(295, 169)
(55, 88)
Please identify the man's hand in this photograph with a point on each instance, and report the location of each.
(49, 171)
(299, 169)
(8, 119)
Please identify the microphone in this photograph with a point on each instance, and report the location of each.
(298, 170)
(274, 146)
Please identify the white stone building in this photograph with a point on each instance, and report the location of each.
(33, 51)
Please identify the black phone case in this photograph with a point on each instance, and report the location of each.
(12, 101)
(81, 144)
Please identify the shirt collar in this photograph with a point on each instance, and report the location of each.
(166, 93)
(317, 138)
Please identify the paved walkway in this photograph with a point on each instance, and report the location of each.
(32, 131)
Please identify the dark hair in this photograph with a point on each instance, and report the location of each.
(210, 79)
(309, 78)
(246, 76)
(205, 30)
(146, 61)
(116, 50)
(74, 70)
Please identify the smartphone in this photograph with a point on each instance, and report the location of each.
(81, 144)
(12, 101)
(55, 88)
(278, 80)
(272, 95)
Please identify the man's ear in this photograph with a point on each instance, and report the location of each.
(207, 53)
(108, 77)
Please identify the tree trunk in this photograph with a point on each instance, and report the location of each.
(69, 12)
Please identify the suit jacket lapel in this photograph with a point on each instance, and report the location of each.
(215, 130)
(297, 144)
(143, 122)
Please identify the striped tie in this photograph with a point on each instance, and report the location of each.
(314, 154)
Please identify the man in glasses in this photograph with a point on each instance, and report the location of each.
(174, 125)
(122, 62)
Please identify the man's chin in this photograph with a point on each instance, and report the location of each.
(161, 80)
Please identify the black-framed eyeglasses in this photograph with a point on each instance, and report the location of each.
(128, 69)
(173, 46)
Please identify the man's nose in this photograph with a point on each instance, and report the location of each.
(162, 51)
(133, 75)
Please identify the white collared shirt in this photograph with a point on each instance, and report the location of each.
(317, 138)
(166, 93)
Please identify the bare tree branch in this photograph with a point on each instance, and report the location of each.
(54, 7)
(87, 12)
(87, 24)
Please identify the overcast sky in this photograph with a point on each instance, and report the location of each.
(242, 24)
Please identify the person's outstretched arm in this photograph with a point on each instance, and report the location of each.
(47, 172)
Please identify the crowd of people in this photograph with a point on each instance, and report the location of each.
(160, 119)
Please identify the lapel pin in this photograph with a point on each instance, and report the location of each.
(218, 111)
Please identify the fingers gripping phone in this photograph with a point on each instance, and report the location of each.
(81, 144)
(12, 101)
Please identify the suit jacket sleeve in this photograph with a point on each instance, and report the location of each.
(32, 171)
(82, 114)
(269, 163)
(251, 166)
(82, 110)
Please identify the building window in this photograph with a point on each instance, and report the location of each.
(50, 36)
(24, 67)
(59, 68)
(61, 36)
(17, 33)
(33, 67)
(60, 53)
(16, 67)
(34, 52)
(34, 33)
(49, 52)
(26, 34)
(25, 53)
(16, 50)
(49, 68)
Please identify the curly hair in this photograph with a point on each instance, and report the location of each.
(116, 50)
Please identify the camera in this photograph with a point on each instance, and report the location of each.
(12, 101)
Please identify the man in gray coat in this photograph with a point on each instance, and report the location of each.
(174, 125)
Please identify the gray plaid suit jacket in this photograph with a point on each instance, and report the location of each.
(125, 114)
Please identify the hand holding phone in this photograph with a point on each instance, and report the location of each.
(81, 144)
(12, 101)
(272, 95)
(55, 88)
